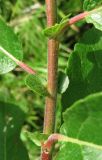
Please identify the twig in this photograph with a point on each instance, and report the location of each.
(24, 66)
(58, 137)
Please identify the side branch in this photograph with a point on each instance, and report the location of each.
(78, 18)
(58, 137)
(24, 66)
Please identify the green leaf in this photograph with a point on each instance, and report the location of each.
(95, 17)
(56, 30)
(84, 68)
(11, 121)
(90, 4)
(37, 84)
(9, 41)
(63, 82)
(33, 150)
(83, 121)
(37, 138)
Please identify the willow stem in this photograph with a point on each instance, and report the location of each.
(49, 117)
(53, 45)
(59, 137)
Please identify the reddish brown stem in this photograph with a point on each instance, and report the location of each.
(78, 18)
(46, 147)
(49, 116)
(51, 140)
(24, 66)
(59, 137)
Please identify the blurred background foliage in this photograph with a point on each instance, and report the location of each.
(28, 19)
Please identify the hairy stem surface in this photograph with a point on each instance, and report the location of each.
(49, 116)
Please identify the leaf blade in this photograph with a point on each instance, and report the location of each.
(56, 31)
(83, 121)
(84, 68)
(10, 42)
(95, 17)
(36, 84)
(10, 143)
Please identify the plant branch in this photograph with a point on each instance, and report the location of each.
(56, 30)
(77, 18)
(53, 45)
(49, 118)
(82, 16)
(58, 137)
(21, 64)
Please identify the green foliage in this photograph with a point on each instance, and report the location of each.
(34, 43)
(6, 8)
(84, 68)
(83, 121)
(37, 138)
(9, 41)
(33, 149)
(95, 17)
(37, 84)
(11, 121)
(56, 30)
(63, 82)
(83, 77)
(90, 4)
(70, 6)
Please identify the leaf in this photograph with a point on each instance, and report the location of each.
(95, 17)
(9, 41)
(56, 30)
(11, 121)
(36, 84)
(33, 150)
(37, 138)
(63, 82)
(83, 121)
(90, 4)
(84, 68)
